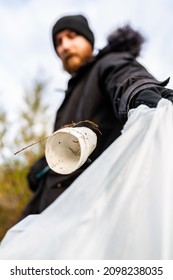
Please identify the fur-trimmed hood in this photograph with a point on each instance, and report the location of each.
(124, 39)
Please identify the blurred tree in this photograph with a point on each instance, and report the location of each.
(33, 125)
(4, 125)
(34, 121)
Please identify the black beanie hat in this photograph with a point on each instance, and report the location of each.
(77, 23)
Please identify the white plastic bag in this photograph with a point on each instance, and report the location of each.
(119, 208)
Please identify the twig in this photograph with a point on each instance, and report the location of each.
(73, 124)
(41, 140)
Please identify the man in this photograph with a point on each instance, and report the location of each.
(102, 89)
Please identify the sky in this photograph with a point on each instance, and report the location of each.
(26, 48)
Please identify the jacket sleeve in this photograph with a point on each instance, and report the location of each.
(123, 78)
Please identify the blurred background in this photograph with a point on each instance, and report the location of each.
(32, 80)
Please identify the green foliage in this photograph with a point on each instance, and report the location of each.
(14, 195)
(4, 125)
(33, 120)
(32, 126)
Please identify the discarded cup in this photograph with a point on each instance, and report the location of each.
(68, 148)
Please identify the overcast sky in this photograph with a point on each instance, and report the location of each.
(26, 46)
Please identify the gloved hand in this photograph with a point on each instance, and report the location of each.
(149, 97)
(168, 94)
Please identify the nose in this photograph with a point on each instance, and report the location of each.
(64, 46)
(66, 43)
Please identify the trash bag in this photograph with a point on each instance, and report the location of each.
(119, 208)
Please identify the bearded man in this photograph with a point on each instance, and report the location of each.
(102, 89)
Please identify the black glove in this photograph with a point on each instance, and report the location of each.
(168, 94)
(148, 97)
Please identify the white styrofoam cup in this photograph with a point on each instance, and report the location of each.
(68, 148)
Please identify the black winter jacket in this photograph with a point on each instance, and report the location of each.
(102, 91)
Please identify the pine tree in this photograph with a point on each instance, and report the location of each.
(33, 125)
(34, 122)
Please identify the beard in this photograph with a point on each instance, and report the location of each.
(72, 62)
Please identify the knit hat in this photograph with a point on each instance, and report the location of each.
(77, 23)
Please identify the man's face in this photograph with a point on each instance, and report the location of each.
(73, 49)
